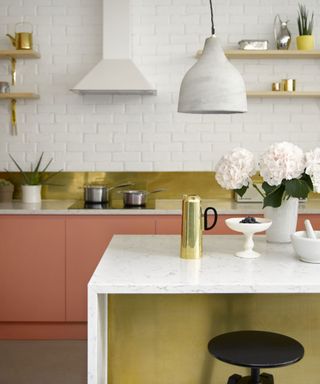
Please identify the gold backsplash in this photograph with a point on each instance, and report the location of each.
(69, 185)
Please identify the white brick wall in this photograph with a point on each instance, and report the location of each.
(145, 133)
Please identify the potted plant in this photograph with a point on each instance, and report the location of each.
(288, 175)
(33, 180)
(6, 190)
(305, 41)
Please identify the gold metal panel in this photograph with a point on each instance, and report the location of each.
(69, 184)
(163, 339)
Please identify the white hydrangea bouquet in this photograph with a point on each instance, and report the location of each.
(286, 172)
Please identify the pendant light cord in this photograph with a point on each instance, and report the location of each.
(213, 31)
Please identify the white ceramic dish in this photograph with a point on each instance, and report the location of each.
(248, 229)
(307, 249)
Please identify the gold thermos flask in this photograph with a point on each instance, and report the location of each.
(193, 224)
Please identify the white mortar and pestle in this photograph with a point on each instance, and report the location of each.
(307, 244)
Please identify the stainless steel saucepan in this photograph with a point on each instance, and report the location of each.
(134, 198)
(100, 194)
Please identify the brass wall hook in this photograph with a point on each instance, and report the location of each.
(14, 130)
(13, 71)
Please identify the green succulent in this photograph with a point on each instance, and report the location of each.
(305, 24)
(36, 176)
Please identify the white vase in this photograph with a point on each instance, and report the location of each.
(31, 193)
(284, 221)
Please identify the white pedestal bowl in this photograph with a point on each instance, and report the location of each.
(248, 229)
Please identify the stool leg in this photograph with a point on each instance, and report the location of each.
(255, 375)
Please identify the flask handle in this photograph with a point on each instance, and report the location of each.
(206, 226)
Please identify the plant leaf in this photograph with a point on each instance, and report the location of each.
(36, 176)
(268, 188)
(241, 191)
(297, 188)
(46, 167)
(24, 174)
(274, 195)
(39, 162)
(45, 179)
(308, 180)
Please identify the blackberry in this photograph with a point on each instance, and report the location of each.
(249, 220)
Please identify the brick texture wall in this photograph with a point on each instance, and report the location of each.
(145, 133)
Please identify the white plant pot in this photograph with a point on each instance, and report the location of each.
(284, 221)
(31, 193)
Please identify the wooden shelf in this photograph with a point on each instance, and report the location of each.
(269, 54)
(300, 94)
(19, 95)
(19, 53)
(272, 54)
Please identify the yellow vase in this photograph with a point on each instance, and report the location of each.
(305, 42)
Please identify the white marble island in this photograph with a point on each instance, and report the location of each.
(151, 265)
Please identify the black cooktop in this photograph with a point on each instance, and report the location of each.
(117, 204)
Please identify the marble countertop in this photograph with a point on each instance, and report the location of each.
(161, 207)
(151, 265)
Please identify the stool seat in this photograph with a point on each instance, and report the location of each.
(256, 349)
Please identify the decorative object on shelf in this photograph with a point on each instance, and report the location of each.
(254, 45)
(288, 85)
(287, 174)
(6, 190)
(276, 87)
(31, 190)
(212, 85)
(4, 87)
(282, 35)
(23, 36)
(248, 228)
(307, 249)
(193, 225)
(305, 40)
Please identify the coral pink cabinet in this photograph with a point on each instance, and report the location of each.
(32, 268)
(87, 239)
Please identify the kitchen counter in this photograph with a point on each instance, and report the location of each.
(161, 207)
(151, 265)
(46, 207)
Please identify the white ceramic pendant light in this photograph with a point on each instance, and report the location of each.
(212, 85)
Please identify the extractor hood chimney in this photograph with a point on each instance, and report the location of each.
(115, 73)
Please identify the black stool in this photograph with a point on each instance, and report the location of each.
(255, 350)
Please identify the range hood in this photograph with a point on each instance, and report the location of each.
(115, 73)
